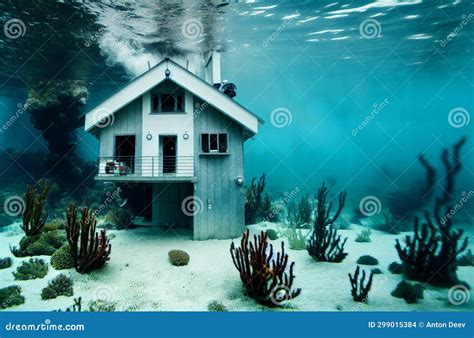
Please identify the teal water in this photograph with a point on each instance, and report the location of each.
(357, 88)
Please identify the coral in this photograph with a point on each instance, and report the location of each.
(121, 218)
(299, 213)
(409, 292)
(430, 255)
(377, 271)
(466, 260)
(62, 258)
(360, 292)
(32, 269)
(5, 263)
(296, 238)
(262, 272)
(272, 234)
(216, 306)
(395, 268)
(61, 285)
(101, 305)
(54, 225)
(76, 307)
(11, 296)
(256, 203)
(364, 236)
(34, 217)
(324, 243)
(89, 249)
(367, 260)
(178, 257)
(43, 244)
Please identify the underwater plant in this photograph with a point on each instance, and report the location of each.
(257, 205)
(359, 290)
(178, 257)
(101, 305)
(11, 296)
(364, 236)
(34, 217)
(90, 250)
(61, 285)
(272, 234)
(62, 258)
(76, 307)
(216, 306)
(263, 272)
(430, 255)
(31, 269)
(121, 218)
(43, 244)
(299, 213)
(466, 260)
(324, 244)
(367, 260)
(296, 238)
(5, 263)
(409, 292)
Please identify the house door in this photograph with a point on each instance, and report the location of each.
(168, 154)
(125, 151)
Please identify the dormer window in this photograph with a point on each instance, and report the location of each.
(167, 102)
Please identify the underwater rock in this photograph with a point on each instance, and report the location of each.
(61, 285)
(62, 258)
(272, 234)
(32, 269)
(178, 257)
(11, 296)
(216, 306)
(409, 292)
(377, 271)
(5, 263)
(395, 268)
(367, 260)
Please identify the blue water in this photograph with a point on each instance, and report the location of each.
(321, 67)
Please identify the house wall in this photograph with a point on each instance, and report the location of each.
(222, 212)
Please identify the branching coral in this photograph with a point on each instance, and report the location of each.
(32, 269)
(360, 289)
(257, 205)
(90, 250)
(264, 273)
(324, 243)
(61, 285)
(34, 217)
(299, 213)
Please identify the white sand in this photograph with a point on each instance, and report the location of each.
(139, 277)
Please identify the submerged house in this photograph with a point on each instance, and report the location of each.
(178, 137)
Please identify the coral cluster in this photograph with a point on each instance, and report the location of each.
(360, 289)
(409, 292)
(5, 263)
(31, 269)
(367, 260)
(90, 250)
(324, 243)
(216, 306)
(61, 285)
(101, 305)
(62, 258)
(263, 271)
(38, 245)
(34, 217)
(11, 296)
(178, 257)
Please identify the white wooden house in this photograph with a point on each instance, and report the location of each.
(174, 133)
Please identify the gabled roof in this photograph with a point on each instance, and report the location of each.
(184, 79)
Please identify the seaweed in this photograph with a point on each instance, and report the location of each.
(257, 205)
(430, 255)
(364, 236)
(34, 217)
(10, 296)
(299, 213)
(61, 285)
(5, 263)
(296, 238)
(90, 250)
(359, 291)
(262, 272)
(324, 244)
(31, 269)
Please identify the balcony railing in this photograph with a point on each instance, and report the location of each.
(146, 166)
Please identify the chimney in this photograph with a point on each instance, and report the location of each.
(213, 68)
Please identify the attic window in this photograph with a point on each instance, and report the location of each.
(167, 102)
(214, 143)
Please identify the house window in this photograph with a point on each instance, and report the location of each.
(167, 102)
(214, 143)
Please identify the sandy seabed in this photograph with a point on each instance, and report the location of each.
(139, 277)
